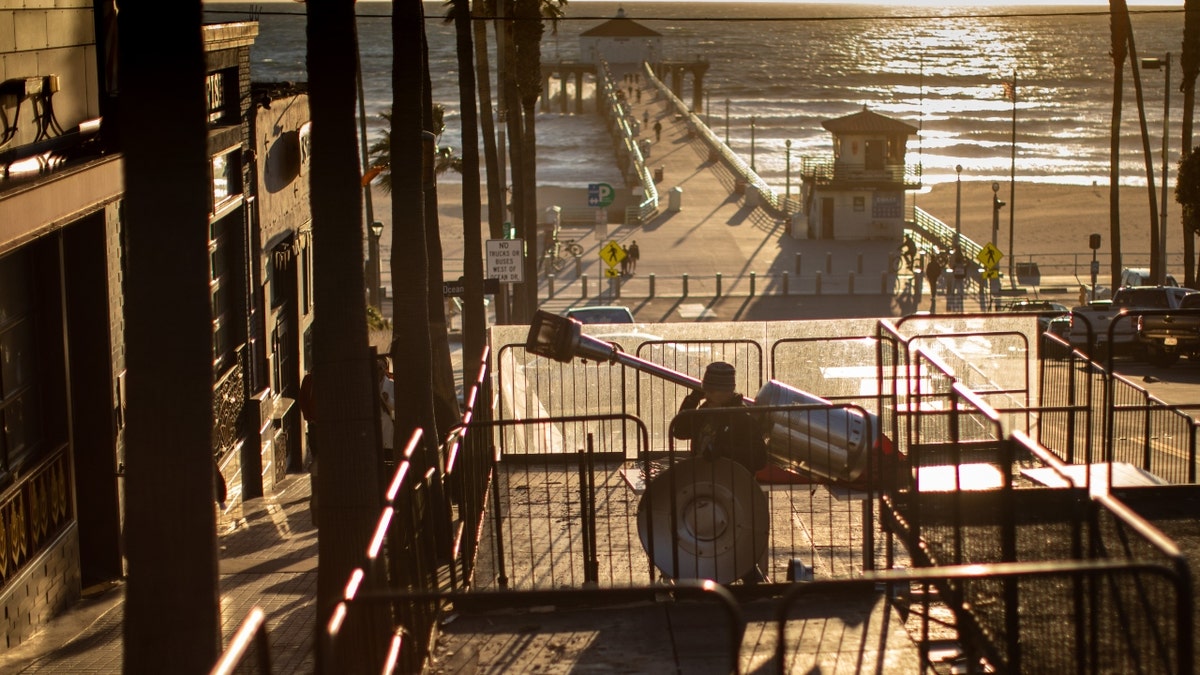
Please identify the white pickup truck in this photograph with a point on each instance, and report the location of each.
(1099, 315)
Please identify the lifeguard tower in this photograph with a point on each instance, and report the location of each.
(858, 192)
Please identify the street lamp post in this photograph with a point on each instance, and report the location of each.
(958, 261)
(996, 206)
(376, 281)
(727, 123)
(958, 209)
(753, 120)
(1165, 64)
(787, 176)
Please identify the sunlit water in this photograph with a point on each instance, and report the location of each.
(792, 66)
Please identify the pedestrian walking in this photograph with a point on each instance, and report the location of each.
(646, 117)
(632, 254)
(657, 130)
(625, 262)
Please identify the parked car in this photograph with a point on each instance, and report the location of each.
(1099, 315)
(601, 314)
(1140, 276)
(1046, 310)
(1166, 337)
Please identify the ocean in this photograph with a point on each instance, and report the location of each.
(791, 66)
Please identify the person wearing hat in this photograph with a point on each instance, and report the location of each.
(735, 434)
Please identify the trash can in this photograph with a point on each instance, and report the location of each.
(658, 175)
(675, 199)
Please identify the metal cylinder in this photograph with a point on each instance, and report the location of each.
(830, 442)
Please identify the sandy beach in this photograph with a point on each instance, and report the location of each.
(1050, 220)
(1055, 219)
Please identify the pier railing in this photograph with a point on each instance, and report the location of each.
(747, 179)
(623, 127)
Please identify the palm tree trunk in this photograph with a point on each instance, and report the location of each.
(445, 394)
(473, 317)
(528, 31)
(1190, 66)
(1118, 25)
(495, 182)
(1157, 264)
(521, 312)
(347, 437)
(411, 160)
(170, 525)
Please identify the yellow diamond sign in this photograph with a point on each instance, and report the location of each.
(612, 254)
(989, 256)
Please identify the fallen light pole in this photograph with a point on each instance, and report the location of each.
(706, 517)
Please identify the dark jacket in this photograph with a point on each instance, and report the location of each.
(734, 434)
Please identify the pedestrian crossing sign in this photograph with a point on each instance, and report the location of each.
(612, 254)
(989, 256)
(611, 272)
(991, 273)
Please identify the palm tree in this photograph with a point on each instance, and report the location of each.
(1187, 192)
(411, 341)
(495, 182)
(345, 392)
(1190, 65)
(1157, 264)
(170, 527)
(445, 393)
(474, 319)
(380, 151)
(1119, 25)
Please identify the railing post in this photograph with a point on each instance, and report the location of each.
(785, 283)
(685, 288)
(652, 284)
(718, 284)
(753, 276)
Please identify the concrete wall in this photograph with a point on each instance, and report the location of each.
(39, 38)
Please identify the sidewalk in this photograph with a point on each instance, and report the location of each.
(268, 558)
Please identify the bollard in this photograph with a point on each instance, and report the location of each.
(860, 263)
(785, 283)
(851, 286)
(583, 286)
(798, 257)
(752, 278)
(829, 262)
(652, 284)
(550, 284)
(685, 285)
(578, 266)
(883, 282)
(818, 282)
(718, 284)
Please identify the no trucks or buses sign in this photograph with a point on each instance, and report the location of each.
(504, 258)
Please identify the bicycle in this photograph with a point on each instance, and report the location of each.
(562, 252)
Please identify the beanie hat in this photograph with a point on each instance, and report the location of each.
(719, 376)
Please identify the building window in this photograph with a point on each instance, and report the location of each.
(24, 346)
(222, 248)
(226, 178)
